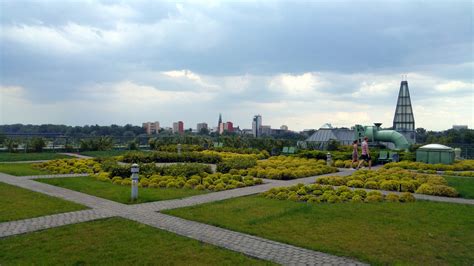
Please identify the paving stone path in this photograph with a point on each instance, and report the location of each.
(147, 213)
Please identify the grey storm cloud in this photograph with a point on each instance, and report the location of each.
(239, 53)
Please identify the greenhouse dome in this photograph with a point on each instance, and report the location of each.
(435, 153)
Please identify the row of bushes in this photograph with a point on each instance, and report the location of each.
(70, 166)
(286, 167)
(395, 179)
(463, 173)
(241, 150)
(316, 193)
(238, 162)
(184, 147)
(464, 165)
(166, 157)
(230, 155)
(147, 170)
(212, 182)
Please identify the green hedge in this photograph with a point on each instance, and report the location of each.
(167, 157)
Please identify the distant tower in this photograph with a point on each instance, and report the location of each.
(404, 121)
(220, 125)
(257, 126)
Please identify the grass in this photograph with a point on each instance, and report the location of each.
(18, 203)
(118, 193)
(21, 169)
(114, 241)
(426, 233)
(465, 186)
(34, 156)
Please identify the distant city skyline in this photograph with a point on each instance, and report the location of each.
(300, 64)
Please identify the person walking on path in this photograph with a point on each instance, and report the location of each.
(365, 153)
(355, 153)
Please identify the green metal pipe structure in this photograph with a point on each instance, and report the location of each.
(375, 134)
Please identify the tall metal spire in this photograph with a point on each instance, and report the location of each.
(220, 119)
(404, 119)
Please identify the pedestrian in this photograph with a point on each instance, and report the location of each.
(355, 153)
(365, 153)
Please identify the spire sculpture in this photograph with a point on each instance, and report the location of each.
(404, 121)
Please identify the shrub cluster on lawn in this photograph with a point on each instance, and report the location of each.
(286, 167)
(230, 155)
(149, 169)
(70, 166)
(394, 179)
(316, 193)
(237, 162)
(203, 181)
(167, 157)
(184, 147)
(464, 165)
(462, 173)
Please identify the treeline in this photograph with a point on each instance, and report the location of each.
(450, 136)
(74, 131)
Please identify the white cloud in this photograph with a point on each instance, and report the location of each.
(454, 86)
(296, 85)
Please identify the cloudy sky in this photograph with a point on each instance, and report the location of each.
(300, 64)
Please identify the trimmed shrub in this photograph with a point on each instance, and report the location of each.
(357, 199)
(407, 197)
(371, 185)
(355, 184)
(390, 185)
(392, 197)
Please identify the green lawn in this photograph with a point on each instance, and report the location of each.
(114, 241)
(465, 186)
(18, 203)
(421, 233)
(34, 156)
(91, 186)
(21, 169)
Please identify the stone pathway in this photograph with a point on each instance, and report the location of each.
(50, 221)
(77, 155)
(145, 213)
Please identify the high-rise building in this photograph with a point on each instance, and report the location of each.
(220, 125)
(229, 126)
(403, 120)
(201, 126)
(257, 126)
(284, 127)
(178, 127)
(266, 130)
(151, 127)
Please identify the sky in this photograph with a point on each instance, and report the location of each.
(297, 63)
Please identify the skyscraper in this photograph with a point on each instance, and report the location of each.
(220, 125)
(403, 120)
(178, 127)
(257, 126)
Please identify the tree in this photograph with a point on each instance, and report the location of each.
(11, 144)
(37, 144)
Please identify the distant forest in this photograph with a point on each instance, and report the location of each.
(74, 131)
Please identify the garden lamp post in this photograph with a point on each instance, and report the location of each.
(135, 170)
(328, 159)
(179, 148)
